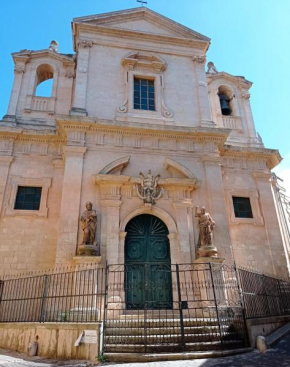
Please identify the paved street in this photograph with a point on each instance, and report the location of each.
(277, 356)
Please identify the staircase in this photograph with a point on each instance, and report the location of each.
(134, 339)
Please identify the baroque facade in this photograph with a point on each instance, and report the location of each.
(134, 97)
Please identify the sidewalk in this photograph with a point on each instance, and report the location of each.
(277, 356)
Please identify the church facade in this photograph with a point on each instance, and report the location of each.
(135, 97)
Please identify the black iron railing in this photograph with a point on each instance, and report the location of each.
(151, 307)
(264, 295)
(63, 297)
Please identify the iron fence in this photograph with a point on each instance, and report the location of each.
(64, 297)
(149, 307)
(173, 308)
(264, 295)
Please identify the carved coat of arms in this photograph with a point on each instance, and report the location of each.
(148, 190)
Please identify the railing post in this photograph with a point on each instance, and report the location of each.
(180, 308)
(216, 304)
(145, 304)
(281, 298)
(266, 294)
(44, 296)
(1, 293)
(242, 301)
(105, 309)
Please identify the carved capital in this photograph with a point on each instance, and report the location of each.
(199, 59)
(246, 95)
(74, 151)
(85, 44)
(70, 74)
(19, 69)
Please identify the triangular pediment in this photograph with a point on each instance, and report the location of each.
(141, 20)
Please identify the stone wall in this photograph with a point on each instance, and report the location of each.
(54, 340)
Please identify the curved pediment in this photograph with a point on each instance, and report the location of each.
(171, 164)
(116, 166)
(144, 60)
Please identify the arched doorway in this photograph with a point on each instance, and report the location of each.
(147, 264)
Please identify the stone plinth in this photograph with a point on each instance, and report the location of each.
(209, 259)
(82, 262)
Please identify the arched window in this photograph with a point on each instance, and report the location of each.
(44, 81)
(226, 101)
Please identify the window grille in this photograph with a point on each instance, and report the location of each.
(28, 198)
(144, 94)
(242, 207)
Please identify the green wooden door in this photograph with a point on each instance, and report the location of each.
(147, 264)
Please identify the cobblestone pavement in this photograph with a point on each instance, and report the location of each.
(277, 356)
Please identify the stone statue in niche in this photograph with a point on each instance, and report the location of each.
(148, 190)
(89, 246)
(205, 247)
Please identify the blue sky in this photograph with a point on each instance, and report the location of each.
(248, 37)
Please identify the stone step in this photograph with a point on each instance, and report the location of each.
(173, 347)
(163, 330)
(167, 322)
(140, 357)
(168, 338)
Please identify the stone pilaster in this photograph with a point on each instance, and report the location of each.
(249, 115)
(79, 102)
(183, 218)
(203, 99)
(70, 203)
(5, 163)
(217, 206)
(18, 76)
(274, 246)
(110, 230)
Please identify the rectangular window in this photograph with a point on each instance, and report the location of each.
(242, 207)
(144, 94)
(28, 198)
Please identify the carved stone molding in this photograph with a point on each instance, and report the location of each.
(253, 195)
(166, 112)
(123, 107)
(16, 181)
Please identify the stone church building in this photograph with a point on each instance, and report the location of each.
(135, 96)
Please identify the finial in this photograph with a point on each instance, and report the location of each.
(211, 69)
(53, 46)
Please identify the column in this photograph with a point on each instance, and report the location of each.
(4, 171)
(203, 100)
(70, 203)
(217, 206)
(274, 245)
(79, 101)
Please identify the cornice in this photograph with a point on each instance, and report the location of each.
(111, 179)
(27, 55)
(17, 133)
(240, 81)
(124, 33)
(272, 156)
(138, 14)
(66, 124)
